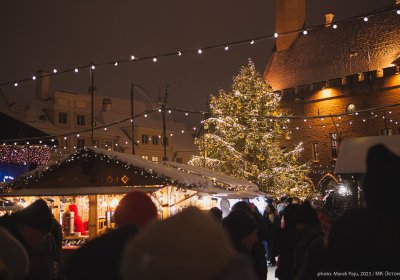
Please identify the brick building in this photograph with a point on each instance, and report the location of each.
(340, 80)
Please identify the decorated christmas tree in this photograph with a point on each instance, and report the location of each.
(242, 138)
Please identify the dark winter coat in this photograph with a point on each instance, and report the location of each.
(100, 257)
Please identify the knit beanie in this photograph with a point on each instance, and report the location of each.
(189, 245)
(37, 216)
(135, 208)
(239, 224)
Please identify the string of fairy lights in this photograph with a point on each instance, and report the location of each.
(178, 53)
(363, 115)
(33, 150)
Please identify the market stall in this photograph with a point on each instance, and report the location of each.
(84, 189)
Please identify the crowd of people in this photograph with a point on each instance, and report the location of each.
(294, 236)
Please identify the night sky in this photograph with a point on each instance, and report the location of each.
(47, 34)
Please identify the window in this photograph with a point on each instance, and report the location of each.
(80, 143)
(108, 145)
(96, 143)
(145, 157)
(81, 120)
(386, 131)
(154, 140)
(145, 139)
(179, 160)
(333, 138)
(62, 117)
(351, 108)
(315, 151)
(154, 158)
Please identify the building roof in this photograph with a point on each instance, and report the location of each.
(326, 53)
(68, 176)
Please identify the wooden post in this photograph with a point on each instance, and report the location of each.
(93, 217)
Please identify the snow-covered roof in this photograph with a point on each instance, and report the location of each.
(352, 157)
(195, 178)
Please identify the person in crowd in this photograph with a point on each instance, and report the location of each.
(78, 224)
(216, 213)
(258, 252)
(242, 229)
(13, 257)
(281, 207)
(100, 257)
(369, 239)
(271, 215)
(285, 243)
(31, 227)
(309, 249)
(178, 248)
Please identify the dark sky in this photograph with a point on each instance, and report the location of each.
(47, 34)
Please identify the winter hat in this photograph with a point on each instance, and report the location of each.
(135, 208)
(189, 245)
(37, 215)
(381, 185)
(239, 224)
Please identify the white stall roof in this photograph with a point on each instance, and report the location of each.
(353, 152)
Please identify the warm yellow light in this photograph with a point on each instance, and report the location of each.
(114, 202)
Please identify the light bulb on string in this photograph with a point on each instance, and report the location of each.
(186, 114)
(179, 53)
(154, 59)
(54, 71)
(365, 19)
(93, 67)
(33, 77)
(132, 57)
(252, 42)
(199, 51)
(334, 26)
(305, 32)
(76, 70)
(398, 12)
(15, 84)
(276, 35)
(226, 48)
(116, 63)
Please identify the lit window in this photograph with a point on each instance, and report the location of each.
(154, 158)
(334, 151)
(386, 131)
(145, 139)
(315, 151)
(108, 145)
(351, 108)
(145, 157)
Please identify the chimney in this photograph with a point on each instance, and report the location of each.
(328, 19)
(42, 85)
(289, 15)
(107, 105)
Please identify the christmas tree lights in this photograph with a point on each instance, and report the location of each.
(239, 140)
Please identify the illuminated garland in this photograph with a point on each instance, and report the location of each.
(39, 155)
(224, 46)
(45, 170)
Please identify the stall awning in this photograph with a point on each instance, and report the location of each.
(353, 152)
